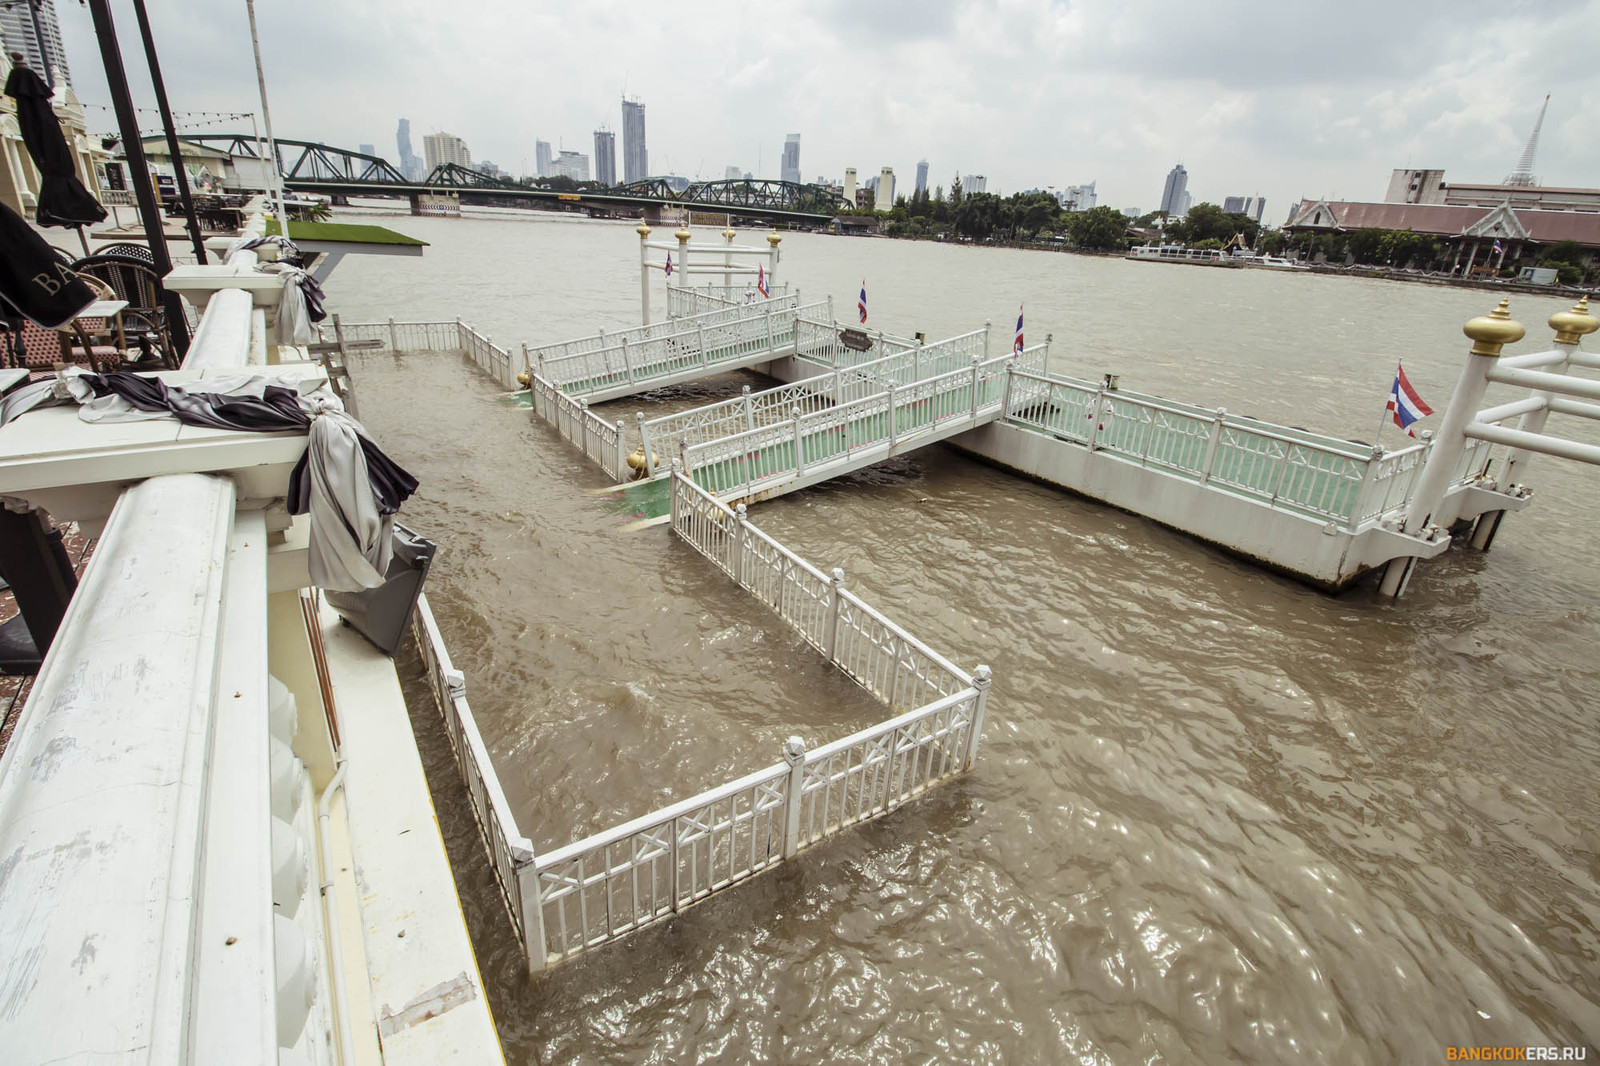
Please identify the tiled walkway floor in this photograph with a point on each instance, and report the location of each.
(14, 690)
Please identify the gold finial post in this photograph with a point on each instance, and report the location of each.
(1572, 326)
(643, 230)
(774, 237)
(1493, 331)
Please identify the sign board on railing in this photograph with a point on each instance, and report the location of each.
(854, 339)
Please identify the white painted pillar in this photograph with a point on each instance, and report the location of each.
(682, 271)
(1571, 327)
(773, 238)
(1489, 334)
(644, 274)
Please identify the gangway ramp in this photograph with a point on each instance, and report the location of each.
(611, 366)
(665, 437)
(783, 456)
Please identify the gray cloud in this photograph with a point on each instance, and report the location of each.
(1253, 96)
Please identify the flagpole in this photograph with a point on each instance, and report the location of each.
(1382, 418)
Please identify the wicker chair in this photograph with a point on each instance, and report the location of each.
(140, 285)
(129, 251)
(38, 348)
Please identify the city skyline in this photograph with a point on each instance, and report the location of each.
(1118, 92)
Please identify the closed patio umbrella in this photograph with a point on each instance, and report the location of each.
(63, 201)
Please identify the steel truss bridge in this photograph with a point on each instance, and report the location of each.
(321, 168)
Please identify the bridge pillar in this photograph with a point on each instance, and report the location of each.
(416, 203)
(652, 214)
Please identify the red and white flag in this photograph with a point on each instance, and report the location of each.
(1405, 403)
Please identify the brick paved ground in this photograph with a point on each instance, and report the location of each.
(14, 690)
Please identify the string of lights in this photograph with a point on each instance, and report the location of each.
(212, 118)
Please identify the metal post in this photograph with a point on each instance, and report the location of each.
(1489, 334)
(1005, 402)
(831, 320)
(794, 753)
(987, 325)
(644, 444)
(627, 361)
(766, 314)
(394, 341)
(838, 388)
(799, 451)
(179, 175)
(700, 339)
(621, 467)
(1096, 413)
(533, 932)
(830, 636)
(644, 273)
(736, 548)
(894, 417)
(975, 362)
(672, 492)
(266, 118)
(128, 126)
(1358, 508)
(982, 678)
(749, 409)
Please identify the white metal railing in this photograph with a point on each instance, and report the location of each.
(1391, 480)
(1287, 468)
(668, 435)
(406, 336)
(819, 342)
(609, 884)
(744, 464)
(614, 882)
(602, 441)
(728, 336)
(683, 302)
(510, 852)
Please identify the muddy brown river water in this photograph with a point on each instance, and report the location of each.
(1216, 817)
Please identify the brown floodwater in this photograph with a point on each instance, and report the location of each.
(1216, 816)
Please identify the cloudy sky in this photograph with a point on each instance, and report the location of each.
(1265, 97)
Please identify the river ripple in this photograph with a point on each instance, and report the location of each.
(1217, 817)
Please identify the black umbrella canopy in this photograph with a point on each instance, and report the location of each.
(63, 201)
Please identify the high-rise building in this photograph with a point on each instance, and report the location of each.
(885, 189)
(366, 149)
(439, 148)
(409, 163)
(1078, 197)
(850, 185)
(635, 158)
(1250, 206)
(922, 176)
(19, 34)
(732, 174)
(605, 157)
(541, 158)
(1173, 195)
(791, 158)
(574, 165)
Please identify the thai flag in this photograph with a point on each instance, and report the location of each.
(1497, 246)
(669, 264)
(1405, 403)
(1016, 344)
(761, 280)
(861, 303)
